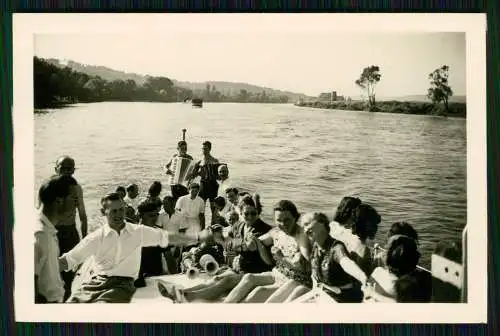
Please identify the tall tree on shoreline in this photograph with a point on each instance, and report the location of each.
(367, 81)
(440, 90)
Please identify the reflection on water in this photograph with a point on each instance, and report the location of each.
(410, 168)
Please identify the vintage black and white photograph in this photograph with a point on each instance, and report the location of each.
(199, 161)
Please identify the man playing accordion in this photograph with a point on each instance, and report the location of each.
(178, 168)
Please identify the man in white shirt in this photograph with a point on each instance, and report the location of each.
(224, 180)
(165, 218)
(191, 208)
(116, 248)
(56, 200)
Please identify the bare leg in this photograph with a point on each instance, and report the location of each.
(297, 292)
(260, 294)
(283, 292)
(213, 291)
(247, 284)
(308, 297)
(217, 278)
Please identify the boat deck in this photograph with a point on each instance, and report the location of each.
(151, 293)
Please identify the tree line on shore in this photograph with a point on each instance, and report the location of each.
(55, 86)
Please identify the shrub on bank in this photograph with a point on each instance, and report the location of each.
(392, 106)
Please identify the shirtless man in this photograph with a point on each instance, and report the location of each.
(178, 190)
(204, 168)
(67, 233)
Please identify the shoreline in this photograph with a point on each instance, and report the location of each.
(455, 109)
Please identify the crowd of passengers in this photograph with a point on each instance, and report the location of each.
(287, 260)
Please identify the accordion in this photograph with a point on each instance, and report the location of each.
(209, 172)
(180, 168)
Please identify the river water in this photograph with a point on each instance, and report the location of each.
(410, 168)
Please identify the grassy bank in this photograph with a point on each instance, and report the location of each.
(455, 109)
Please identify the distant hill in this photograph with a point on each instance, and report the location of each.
(232, 88)
(101, 71)
(224, 87)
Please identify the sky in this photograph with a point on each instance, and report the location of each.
(307, 62)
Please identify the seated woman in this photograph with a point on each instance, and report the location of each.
(242, 242)
(354, 222)
(332, 269)
(291, 275)
(401, 259)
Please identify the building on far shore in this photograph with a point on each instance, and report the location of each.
(330, 97)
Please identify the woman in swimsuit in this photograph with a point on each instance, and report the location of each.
(290, 254)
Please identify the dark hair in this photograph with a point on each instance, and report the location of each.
(252, 200)
(65, 158)
(235, 190)
(402, 255)
(155, 189)
(133, 186)
(109, 198)
(345, 209)
(121, 188)
(181, 143)
(208, 144)
(220, 201)
(286, 205)
(365, 221)
(323, 219)
(149, 206)
(55, 187)
(403, 228)
(247, 201)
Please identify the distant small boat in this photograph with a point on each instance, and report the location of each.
(197, 102)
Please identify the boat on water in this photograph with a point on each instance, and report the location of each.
(197, 102)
